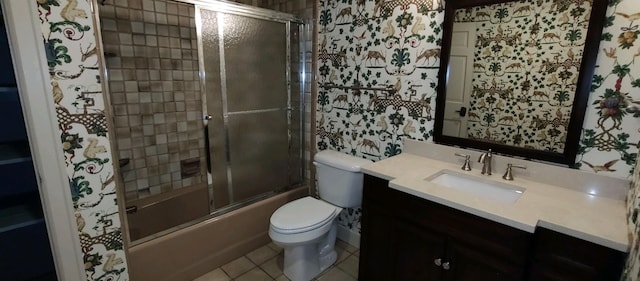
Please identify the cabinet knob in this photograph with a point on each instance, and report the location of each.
(446, 266)
(438, 262)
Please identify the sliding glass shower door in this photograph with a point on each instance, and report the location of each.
(252, 104)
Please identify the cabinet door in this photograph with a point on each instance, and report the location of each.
(559, 257)
(375, 237)
(469, 264)
(375, 249)
(418, 253)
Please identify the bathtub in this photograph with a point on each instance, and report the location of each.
(197, 249)
(151, 215)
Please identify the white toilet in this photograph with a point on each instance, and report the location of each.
(306, 228)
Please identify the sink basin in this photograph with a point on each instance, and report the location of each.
(478, 186)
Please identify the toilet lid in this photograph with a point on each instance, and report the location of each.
(303, 214)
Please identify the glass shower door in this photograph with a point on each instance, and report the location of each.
(248, 97)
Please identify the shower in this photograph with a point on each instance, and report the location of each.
(207, 100)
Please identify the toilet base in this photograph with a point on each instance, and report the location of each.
(304, 262)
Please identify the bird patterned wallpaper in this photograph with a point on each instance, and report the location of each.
(525, 71)
(632, 269)
(390, 49)
(69, 38)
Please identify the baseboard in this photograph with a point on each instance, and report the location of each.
(349, 236)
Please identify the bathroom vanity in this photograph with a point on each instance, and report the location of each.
(414, 229)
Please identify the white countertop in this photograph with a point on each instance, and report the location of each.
(596, 219)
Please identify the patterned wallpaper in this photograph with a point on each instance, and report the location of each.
(389, 44)
(392, 49)
(526, 63)
(396, 56)
(611, 136)
(632, 270)
(396, 44)
(69, 39)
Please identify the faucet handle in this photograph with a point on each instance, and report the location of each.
(508, 175)
(467, 165)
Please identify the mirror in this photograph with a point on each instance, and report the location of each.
(515, 75)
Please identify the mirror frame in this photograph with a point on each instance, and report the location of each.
(583, 87)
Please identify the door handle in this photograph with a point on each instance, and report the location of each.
(462, 112)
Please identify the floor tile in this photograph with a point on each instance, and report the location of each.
(255, 274)
(275, 247)
(335, 274)
(265, 263)
(346, 246)
(238, 267)
(273, 267)
(216, 275)
(342, 253)
(262, 254)
(282, 278)
(350, 266)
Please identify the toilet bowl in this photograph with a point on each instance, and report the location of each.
(306, 228)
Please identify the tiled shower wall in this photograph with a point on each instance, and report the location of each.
(152, 60)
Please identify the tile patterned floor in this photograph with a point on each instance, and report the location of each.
(265, 264)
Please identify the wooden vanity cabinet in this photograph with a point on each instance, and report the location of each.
(375, 237)
(408, 238)
(405, 237)
(559, 257)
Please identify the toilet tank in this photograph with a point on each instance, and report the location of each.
(339, 178)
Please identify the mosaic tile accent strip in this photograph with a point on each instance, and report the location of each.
(72, 57)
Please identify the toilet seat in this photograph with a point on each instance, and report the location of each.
(303, 215)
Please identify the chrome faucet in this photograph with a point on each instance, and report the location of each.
(508, 174)
(485, 159)
(467, 165)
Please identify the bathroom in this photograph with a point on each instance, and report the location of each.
(337, 123)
